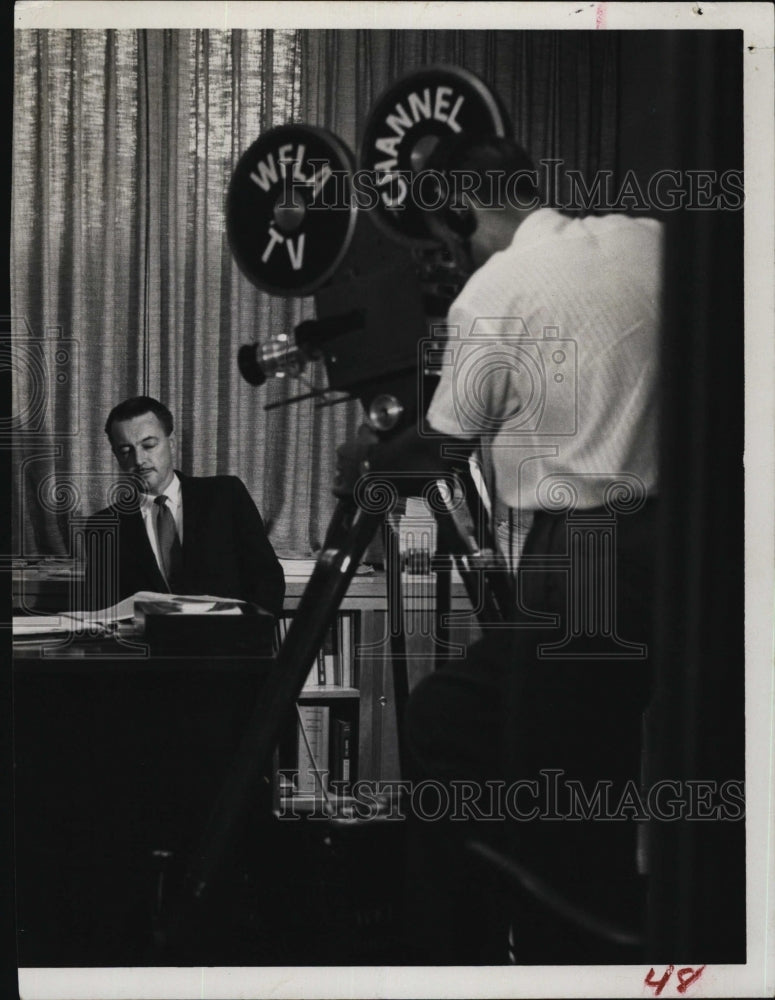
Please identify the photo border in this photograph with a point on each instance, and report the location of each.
(757, 976)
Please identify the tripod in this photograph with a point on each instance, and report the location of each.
(461, 531)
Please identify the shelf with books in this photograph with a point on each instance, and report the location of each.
(368, 702)
(334, 668)
(317, 758)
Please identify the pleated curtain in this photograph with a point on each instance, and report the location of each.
(122, 279)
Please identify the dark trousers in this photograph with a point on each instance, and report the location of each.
(552, 715)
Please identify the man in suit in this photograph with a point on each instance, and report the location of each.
(178, 534)
(165, 736)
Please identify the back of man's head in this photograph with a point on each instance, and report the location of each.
(137, 406)
(494, 171)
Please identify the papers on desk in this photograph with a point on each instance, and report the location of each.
(195, 604)
(36, 626)
(108, 619)
(169, 604)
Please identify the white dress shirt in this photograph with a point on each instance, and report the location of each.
(148, 511)
(552, 360)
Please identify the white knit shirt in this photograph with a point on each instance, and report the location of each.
(552, 360)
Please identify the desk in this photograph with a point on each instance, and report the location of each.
(120, 755)
(115, 757)
(45, 586)
(115, 760)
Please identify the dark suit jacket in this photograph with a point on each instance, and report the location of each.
(225, 549)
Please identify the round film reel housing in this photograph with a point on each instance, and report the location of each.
(290, 212)
(404, 128)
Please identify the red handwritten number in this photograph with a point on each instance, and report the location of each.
(687, 976)
(658, 984)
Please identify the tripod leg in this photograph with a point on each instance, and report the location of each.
(463, 532)
(350, 531)
(397, 635)
(443, 603)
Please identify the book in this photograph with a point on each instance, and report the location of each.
(330, 667)
(346, 626)
(313, 749)
(342, 751)
(329, 654)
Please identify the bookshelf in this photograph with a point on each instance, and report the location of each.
(318, 757)
(368, 704)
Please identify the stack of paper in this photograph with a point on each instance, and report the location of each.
(38, 626)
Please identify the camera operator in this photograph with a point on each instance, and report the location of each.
(552, 375)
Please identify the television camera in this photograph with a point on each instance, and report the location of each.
(367, 243)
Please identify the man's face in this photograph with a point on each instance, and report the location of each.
(143, 449)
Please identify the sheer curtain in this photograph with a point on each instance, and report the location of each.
(559, 87)
(124, 144)
(122, 280)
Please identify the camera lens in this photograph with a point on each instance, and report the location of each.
(248, 366)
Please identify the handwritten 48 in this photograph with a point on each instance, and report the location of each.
(686, 977)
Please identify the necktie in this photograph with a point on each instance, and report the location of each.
(170, 550)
